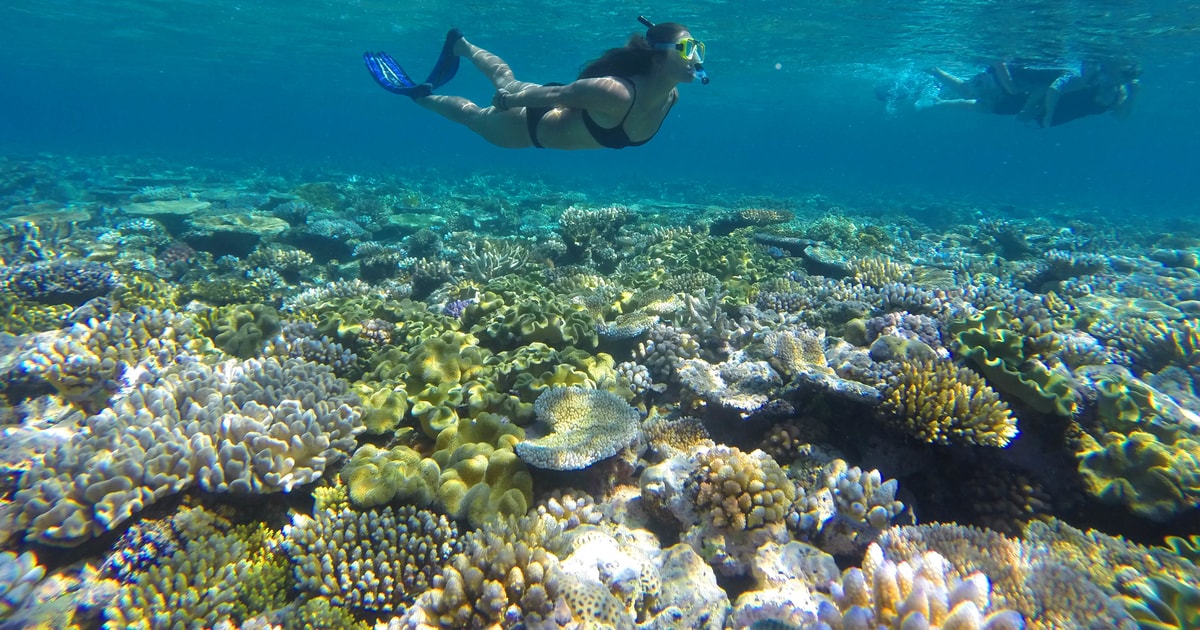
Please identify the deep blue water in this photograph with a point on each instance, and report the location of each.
(231, 81)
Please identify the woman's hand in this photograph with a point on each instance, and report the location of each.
(500, 100)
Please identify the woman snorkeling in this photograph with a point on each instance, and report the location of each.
(619, 100)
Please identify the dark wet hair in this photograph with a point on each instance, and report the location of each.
(636, 56)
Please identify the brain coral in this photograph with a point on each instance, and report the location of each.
(936, 401)
(577, 427)
(377, 561)
(245, 427)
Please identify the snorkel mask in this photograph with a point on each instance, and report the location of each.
(690, 49)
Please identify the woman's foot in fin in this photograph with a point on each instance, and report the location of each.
(448, 59)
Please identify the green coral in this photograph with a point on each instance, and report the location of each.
(472, 475)
(20, 317)
(242, 330)
(137, 289)
(323, 195)
(319, 613)
(1162, 603)
(384, 408)
(1188, 548)
(480, 483)
(1153, 479)
(375, 477)
(569, 367)
(734, 260)
(225, 291)
(1142, 455)
(995, 343)
(533, 318)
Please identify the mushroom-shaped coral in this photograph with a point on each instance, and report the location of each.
(577, 427)
(375, 561)
(939, 402)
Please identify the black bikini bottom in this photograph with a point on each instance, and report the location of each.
(534, 115)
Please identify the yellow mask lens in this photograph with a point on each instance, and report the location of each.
(691, 49)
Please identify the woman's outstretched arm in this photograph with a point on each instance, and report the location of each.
(602, 93)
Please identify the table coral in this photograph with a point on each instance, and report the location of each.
(577, 427)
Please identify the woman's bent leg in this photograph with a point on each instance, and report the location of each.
(493, 67)
(502, 128)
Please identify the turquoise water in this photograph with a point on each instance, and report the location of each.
(790, 106)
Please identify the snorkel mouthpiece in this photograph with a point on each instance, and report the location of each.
(700, 73)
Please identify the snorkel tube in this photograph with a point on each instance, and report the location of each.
(700, 73)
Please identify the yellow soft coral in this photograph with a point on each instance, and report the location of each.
(936, 401)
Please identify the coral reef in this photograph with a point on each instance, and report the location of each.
(301, 398)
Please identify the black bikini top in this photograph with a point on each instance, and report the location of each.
(615, 137)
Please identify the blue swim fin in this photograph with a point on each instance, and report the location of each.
(391, 77)
(447, 63)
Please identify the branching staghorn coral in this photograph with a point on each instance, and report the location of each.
(938, 402)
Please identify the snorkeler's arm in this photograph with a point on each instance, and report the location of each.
(1053, 93)
(600, 93)
(1004, 77)
(1124, 105)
